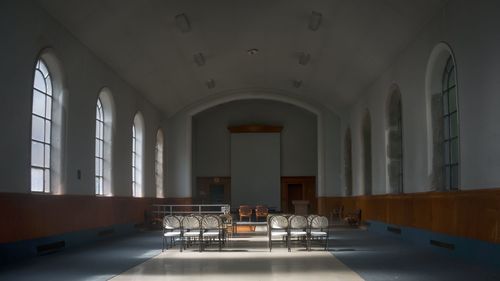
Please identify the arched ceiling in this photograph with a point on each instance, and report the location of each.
(140, 41)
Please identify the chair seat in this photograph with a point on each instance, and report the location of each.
(172, 233)
(211, 233)
(298, 233)
(192, 233)
(279, 233)
(318, 233)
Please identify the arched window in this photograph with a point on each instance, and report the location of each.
(450, 126)
(367, 153)
(103, 143)
(394, 141)
(137, 155)
(99, 149)
(348, 162)
(41, 126)
(443, 119)
(159, 163)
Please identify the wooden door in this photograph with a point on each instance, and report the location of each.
(298, 188)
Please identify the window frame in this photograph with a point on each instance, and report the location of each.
(449, 85)
(99, 153)
(48, 108)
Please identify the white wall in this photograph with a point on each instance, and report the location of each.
(470, 28)
(27, 29)
(179, 140)
(211, 138)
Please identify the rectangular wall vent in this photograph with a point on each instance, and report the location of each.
(393, 229)
(106, 232)
(50, 247)
(441, 244)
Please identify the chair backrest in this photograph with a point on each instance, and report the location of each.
(171, 222)
(261, 209)
(319, 222)
(245, 210)
(278, 222)
(211, 222)
(310, 218)
(298, 222)
(191, 222)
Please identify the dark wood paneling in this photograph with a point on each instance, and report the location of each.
(203, 189)
(29, 216)
(308, 192)
(255, 128)
(472, 214)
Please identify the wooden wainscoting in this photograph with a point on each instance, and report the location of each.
(472, 214)
(209, 190)
(298, 188)
(29, 216)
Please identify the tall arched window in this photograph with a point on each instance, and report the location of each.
(104, 143)
(443, 119)
(137, 155)
(450, 126)
(99, 149)
(348, 162)
(41, 126)
(367, 153)
(159, 163)
(394, 141)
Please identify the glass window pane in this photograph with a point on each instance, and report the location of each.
(38, 103)
(101, 148)
(445, 103)
(43, 68)
(47, 131)
(36, 179)
(37, 128)
(49, 86)
(446, 150)
(454, 125)
(39, 82)
(454, 151)
(97, 167)
(37, 154)
(101, 130)
(97, 143)
(451, 78)
(447, 176)
(453, 99)
(446, 128)
(47, 155)
(48, 109)
(454, 176)
(47, 180)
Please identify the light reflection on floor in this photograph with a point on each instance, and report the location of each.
(246, 257)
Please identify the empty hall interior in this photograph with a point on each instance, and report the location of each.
(330, 140)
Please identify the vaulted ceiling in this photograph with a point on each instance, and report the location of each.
(139, 39)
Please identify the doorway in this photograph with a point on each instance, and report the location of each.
(298, 188)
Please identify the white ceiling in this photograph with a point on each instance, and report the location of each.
(357, 40)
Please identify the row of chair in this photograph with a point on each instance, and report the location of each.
(194, 228)
(245, 211)
(307, 230)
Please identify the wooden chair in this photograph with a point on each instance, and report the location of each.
(261, 212)
(354, 218)
(245, 211)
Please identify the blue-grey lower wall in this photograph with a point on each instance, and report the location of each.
(14, 251)
(479, 251)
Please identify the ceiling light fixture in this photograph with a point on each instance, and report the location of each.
(304, 58)
(297, 83)
(182, 23)
(315, 21)
(253, 51)
(199, 59)
(210, 84)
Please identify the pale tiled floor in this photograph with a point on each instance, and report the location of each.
(244, 258)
